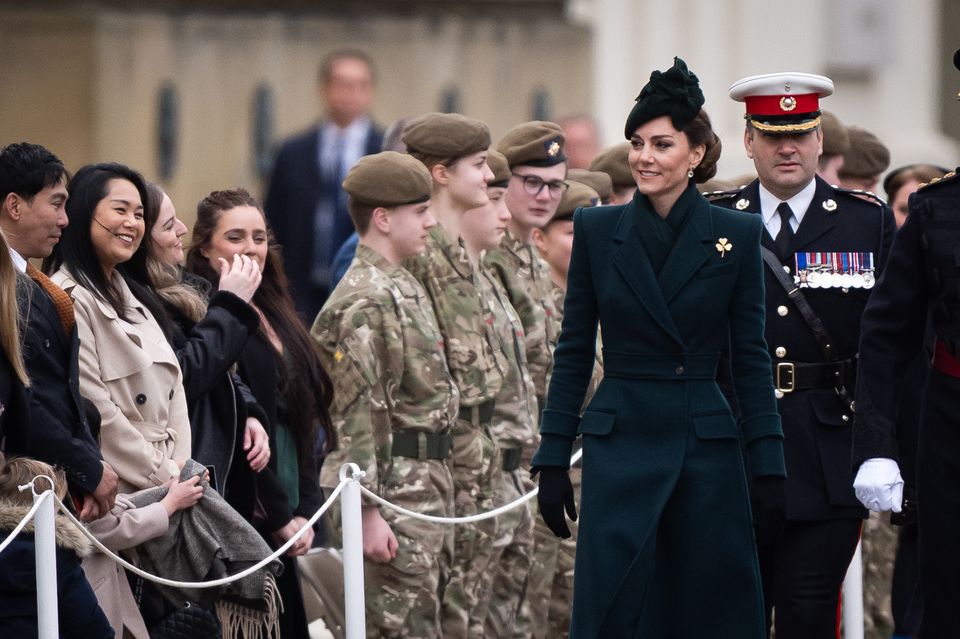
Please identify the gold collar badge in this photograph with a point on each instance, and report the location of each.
(724, 245)
(829, 205)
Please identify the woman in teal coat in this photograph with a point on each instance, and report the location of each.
(666, 546)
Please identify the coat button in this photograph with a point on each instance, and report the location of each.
(781, 352)
(782, 311)
(679, 370)
(141, 399)
(786, 270)
(46, 343)
(845, 418)
(778, 393)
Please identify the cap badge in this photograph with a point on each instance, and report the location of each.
(742, 203)
(787, 87)
(788, 103)
(829, 205)
(553, 149)
(723, 245)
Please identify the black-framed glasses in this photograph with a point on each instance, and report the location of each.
(533, 185)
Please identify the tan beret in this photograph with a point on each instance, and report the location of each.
(446, 135)
(835, 137)
(867, 156)
(499, 167)
(613, 161)
(533, 143)
(577, 195)
(596, 180)
(388, 179)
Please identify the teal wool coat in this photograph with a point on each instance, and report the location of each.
(666, 544)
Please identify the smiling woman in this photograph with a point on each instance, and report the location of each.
(127, 368)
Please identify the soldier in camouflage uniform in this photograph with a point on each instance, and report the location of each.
(454, 149)
(503, 609)
(538, 168)
(395, 401)
(554, 242)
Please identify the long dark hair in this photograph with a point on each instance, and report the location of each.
(304, 383)
(76, 251)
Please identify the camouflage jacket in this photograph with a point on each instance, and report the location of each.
(526, 278)
(379, 340)
(557, 294)
(473, 351)
(515, 415)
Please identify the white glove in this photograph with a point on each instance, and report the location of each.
(878, 485)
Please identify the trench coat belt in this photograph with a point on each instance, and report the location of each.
(683, 366)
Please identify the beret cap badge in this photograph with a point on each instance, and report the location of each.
(553, 148)
(674, 92)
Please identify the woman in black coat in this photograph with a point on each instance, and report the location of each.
(209, 331)
(282, 368)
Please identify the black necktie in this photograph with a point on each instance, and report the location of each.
(786, 231)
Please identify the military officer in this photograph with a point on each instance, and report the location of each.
(824, 248)
(394, 401)
(921, 277)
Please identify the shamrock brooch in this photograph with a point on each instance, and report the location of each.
(723, 245)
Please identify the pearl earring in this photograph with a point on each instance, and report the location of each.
(690, 172)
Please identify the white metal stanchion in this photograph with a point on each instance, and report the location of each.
(352, 520)
(853, 597)
(45, 544)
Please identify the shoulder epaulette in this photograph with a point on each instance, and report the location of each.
(861, 193)
(952, 175)
(720, 195)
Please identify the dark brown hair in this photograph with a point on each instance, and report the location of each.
(304, 384)
(360, 214)
(919, 172)
(700, 131)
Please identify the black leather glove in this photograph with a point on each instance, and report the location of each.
(768, 499)
(556, 494)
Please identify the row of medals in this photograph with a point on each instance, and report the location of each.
(830, 279)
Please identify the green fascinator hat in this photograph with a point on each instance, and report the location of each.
(674, 92)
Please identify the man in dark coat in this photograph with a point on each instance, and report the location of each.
(922, 277)
(305, 205)
(33, 193)
(831, 245)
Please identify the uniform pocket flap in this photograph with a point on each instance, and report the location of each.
(828, 409)
(594, 422)
(716, 426)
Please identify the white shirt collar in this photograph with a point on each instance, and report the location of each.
(19, 262)
(799, 204)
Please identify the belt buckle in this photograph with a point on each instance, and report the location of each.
(422, 449)
(791, 370)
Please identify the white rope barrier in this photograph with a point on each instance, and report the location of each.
(465, 519)
(215, 582)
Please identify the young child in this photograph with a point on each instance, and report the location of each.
(79, 614)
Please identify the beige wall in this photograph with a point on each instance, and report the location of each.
(86, 85)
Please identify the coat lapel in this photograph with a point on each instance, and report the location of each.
(817, 220)
(631, 260)
(689, 252)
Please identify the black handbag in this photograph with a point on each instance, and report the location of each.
(189, 621)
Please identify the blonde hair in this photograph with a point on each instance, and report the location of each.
(17, 471)
(165, 278)
(9, 315)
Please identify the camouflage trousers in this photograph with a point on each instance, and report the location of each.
(503, 609)
(403, 596)
(551, 575)
(475, 462)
